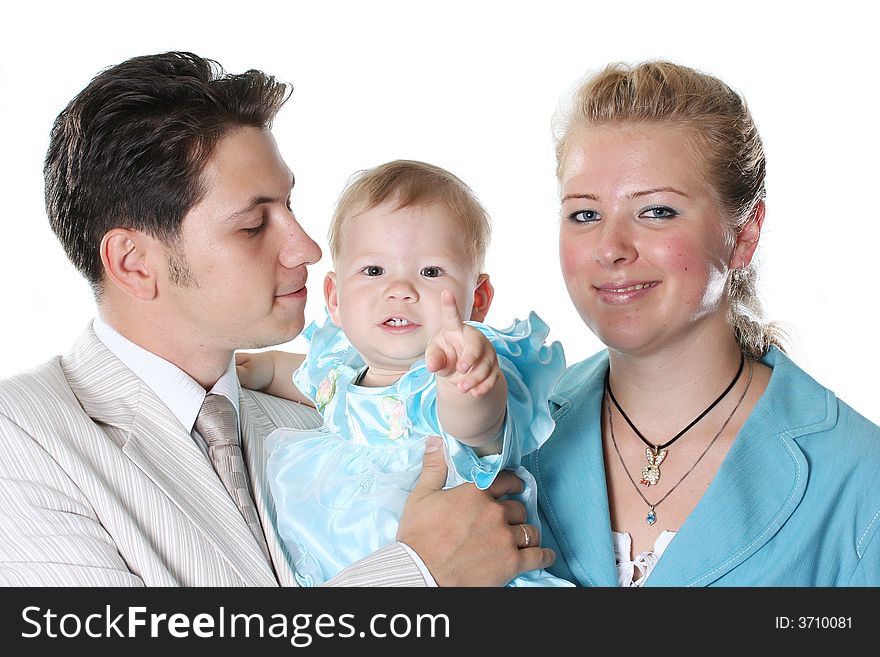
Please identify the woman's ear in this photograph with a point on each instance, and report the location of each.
(125, 254)
(483, 295)
(747, 240)
(331, 297)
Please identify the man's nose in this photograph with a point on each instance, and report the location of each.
(298, 248)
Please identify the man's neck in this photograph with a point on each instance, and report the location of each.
(204, 365)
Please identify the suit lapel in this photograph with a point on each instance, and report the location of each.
(758, 486)
(756, 489)
(255, 426)
(165, 452)
(169, 456)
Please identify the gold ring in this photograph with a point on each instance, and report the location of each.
(528, 539)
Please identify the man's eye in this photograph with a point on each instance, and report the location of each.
(253, 230)
(431, 272)
(373, 270)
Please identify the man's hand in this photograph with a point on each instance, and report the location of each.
(255, 371)
(465, 536)
(460, 353)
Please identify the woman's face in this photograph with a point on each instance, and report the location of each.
(641, 241)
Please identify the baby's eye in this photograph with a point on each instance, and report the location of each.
(373, 270)
(658, 212)
(431, 272)
(584, 217)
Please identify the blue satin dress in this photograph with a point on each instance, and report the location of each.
(340, 490)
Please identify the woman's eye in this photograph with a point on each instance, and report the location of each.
(431, 272)
(658, 212)
(584, 216)
(373, 270)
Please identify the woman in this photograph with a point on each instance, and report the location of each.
(693, 451)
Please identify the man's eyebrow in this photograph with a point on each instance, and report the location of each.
(254, 201)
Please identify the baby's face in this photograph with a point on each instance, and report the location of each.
(391, 267)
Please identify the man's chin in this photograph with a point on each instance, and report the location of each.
(271, 340)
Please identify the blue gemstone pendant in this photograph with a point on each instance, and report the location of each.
(651, 518)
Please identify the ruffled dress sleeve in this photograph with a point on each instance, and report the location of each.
(531, 368)
(331, 363)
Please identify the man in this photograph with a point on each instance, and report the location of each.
(166, 189)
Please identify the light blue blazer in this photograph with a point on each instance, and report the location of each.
(796, 501)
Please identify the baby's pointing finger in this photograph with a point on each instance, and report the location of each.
(449, 316)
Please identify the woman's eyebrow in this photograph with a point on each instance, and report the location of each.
(656, 190)
(590, 197)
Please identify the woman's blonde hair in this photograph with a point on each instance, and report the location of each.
(409, 183)
(726, 137)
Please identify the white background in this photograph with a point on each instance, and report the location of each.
(471, 86)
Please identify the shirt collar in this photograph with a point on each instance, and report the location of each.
(178, 390)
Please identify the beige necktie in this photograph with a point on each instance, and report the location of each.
(218, 424)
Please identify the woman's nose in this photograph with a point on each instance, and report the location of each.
(615, 245)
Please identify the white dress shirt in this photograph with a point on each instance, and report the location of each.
(181, 393)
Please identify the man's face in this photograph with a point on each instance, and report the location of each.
(237, 273)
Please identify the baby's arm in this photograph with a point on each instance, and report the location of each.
(271, 372)
(471, 390)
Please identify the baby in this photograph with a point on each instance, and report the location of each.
(394, 363)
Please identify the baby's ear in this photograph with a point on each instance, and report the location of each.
(483, 295)
(331, 297)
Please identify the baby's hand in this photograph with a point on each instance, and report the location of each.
(255, 371)
(460, 353)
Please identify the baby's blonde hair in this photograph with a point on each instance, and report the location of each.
(409, 183)
(658, 92)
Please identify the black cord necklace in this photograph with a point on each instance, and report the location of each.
(655, 454)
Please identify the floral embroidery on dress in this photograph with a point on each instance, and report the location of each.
(326, 390)
(396, 416)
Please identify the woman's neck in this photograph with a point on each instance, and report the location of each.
(668, 388)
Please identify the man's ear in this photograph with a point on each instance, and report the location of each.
(483, 295)
(747, 240)
(331, 297)
(126, 256)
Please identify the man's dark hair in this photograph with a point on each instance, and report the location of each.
(129, 149)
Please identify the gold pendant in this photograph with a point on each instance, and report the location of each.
(651, 472)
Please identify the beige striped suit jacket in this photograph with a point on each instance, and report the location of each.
(100, 485)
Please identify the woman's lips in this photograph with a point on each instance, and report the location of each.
(625, 291)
